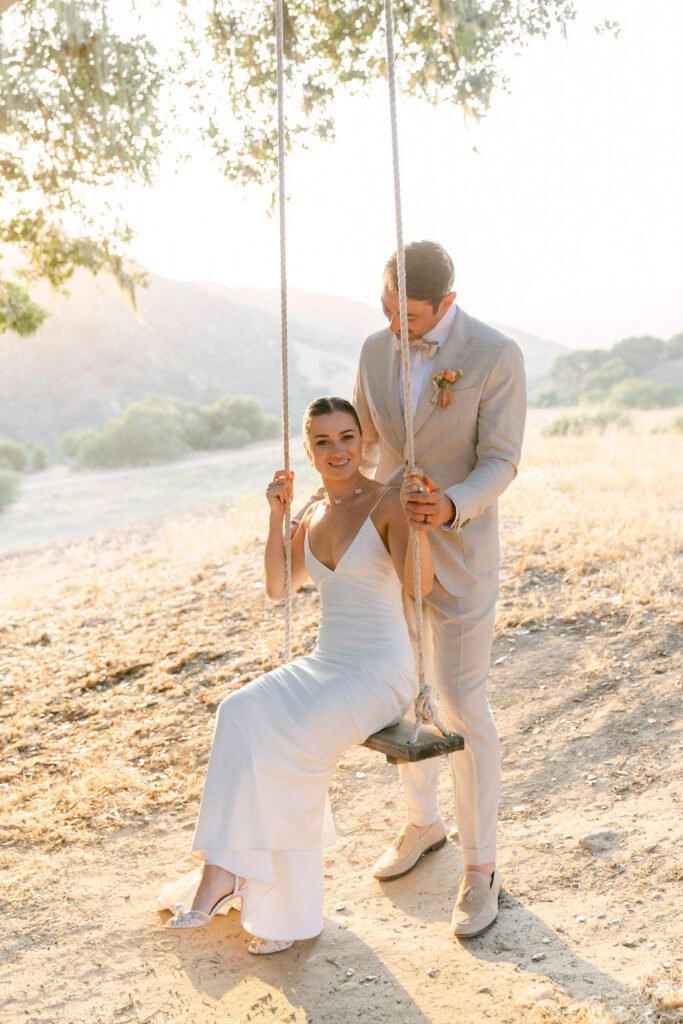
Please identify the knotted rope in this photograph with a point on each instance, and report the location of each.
(425, 710)
(279, 47)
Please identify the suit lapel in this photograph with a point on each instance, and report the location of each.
(451, 356)
(390, 380)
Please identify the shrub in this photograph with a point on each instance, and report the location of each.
(39, 458)
(674, 347)
(582, 424)
(9, 487)
(595, 396)
(147, 432)
(243, 414)
(161, 428)
(547, 398)
(13, 455)
(640, 393)
(608, 373)
(68, 446)
(640, 354)
(231, 437)
(87, 448)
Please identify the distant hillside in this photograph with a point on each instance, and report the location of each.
(193, 340)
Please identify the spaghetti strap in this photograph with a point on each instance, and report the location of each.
(392, 488)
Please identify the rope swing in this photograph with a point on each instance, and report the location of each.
(406, 741)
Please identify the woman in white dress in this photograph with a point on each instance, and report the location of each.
(265, 813)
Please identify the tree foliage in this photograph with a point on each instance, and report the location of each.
(160, 428)
(9, 486)
(640, 393)
(92, 90)
(13, 455)
(78, 117)
(446, 50)
(617, 375)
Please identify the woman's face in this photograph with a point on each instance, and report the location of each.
(334, 445)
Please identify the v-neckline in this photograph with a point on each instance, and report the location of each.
(346, 551)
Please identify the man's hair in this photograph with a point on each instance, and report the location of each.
(324, 406)
(429, 272)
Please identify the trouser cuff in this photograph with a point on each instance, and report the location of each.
(419, 817)
(482, 855)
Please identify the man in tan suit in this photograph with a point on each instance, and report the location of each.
(469, 448)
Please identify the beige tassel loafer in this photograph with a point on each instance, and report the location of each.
(407, 848)
(476, 907)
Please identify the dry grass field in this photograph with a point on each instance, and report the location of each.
(115, 650)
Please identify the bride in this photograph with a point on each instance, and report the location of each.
(265, 814)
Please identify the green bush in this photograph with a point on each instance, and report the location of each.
(231, 437)
(68, 446)
(640, 393)
(9, 487)
(674, 347)
(161, 428)
(147, 432)
(575, 426)
(243, 414)
(678, 423)
(640, 354)
(39, 458)
(604, 376)
(13, 455)
(547, 398)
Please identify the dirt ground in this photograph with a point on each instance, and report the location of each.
(115, 651)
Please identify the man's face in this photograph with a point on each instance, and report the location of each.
(422, 317)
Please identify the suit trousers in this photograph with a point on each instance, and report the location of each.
(458, 638)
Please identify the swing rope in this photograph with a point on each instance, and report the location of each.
(279, 46)
(425, 711)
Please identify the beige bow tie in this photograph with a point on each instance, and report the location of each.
(425, 346)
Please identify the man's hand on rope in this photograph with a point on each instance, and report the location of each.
(426, 507)
(280, 491)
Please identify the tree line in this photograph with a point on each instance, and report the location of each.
(156, 429)
(616, 376)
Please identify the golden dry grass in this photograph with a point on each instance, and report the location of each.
(116, 651)
(593, 527)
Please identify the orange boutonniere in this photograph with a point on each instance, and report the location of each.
(443, 391)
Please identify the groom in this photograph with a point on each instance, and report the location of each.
(468, 435)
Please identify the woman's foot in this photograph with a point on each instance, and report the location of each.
(217, 888)
(215, 883)
(262, 947)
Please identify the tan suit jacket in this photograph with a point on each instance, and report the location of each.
(471, 449)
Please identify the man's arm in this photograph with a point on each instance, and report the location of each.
(502, 412)
(370, 435)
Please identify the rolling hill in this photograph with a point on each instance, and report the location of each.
(195, 340)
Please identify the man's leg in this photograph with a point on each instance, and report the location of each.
(423, 830)
(462, 630)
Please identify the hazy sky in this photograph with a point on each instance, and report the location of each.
(566, 220)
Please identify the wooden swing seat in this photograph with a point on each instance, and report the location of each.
(393, 743)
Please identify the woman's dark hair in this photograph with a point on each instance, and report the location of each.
(324, 406)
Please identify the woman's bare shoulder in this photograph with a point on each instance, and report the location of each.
(388, 502)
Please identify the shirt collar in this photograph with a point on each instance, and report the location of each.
(443, 327)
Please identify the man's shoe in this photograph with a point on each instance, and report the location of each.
(407, 848)
(476, 907)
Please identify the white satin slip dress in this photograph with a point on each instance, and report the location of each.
(265, 811)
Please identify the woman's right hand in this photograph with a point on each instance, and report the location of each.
(280, 491)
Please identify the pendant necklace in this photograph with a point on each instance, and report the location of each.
(338, 501)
